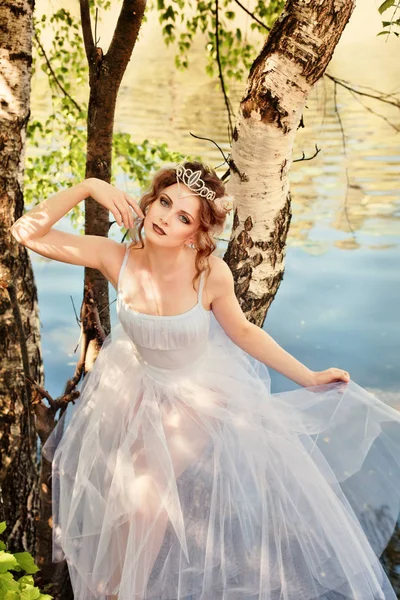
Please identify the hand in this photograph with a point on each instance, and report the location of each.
(330, 375)
(115, 200)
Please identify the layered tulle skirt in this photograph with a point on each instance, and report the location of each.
(200, 484)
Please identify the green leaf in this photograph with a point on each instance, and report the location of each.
(385, 5)
(30, 593)
(25, 561)
(3, 526)
(7, 584)
(383, 33)
(7, 561)
(26, 580)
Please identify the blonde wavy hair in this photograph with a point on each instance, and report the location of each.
(212, 215)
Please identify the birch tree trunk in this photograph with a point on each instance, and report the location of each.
(295, 55)
(20, 353)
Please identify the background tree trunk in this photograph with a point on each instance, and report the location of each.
(20, 353)
(295, 55)
(105, 75)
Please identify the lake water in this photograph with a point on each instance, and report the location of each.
(338, 304)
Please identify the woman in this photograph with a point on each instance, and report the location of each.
(180, 476)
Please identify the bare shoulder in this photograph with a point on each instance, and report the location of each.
(220, 279)
(112, 262)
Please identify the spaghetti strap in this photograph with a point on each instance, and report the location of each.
(123, 265)
(200, 290)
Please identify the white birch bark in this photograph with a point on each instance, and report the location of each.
(296, 53)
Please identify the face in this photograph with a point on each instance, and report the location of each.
(172, 221)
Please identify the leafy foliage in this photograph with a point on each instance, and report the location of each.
(235, 51)
(64, 131)
(390, 26)
(13, 585)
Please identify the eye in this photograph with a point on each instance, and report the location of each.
(162, 200)
(186, 219)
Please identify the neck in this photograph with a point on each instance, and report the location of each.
(164, 260)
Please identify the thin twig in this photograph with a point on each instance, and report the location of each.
(252, 15)
(370, 110)
(380, 97)
(64, 91)
(317, 151)
(96, 41)
(199, 137)
(345, 153)
(221, 77)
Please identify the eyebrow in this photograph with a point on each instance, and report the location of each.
(184, 211)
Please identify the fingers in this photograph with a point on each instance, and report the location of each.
(123, 210)
(135, 206)
(122, 213)
(340, 374)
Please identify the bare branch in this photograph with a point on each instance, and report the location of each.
(252, 15)
(220, 74)
(372, 111)
(199, 137)
(87, 29)
(54, 76)
(386, 98)
(317, 151)
(346, 168)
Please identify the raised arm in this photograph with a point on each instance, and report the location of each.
(254, 340)
(35, 228)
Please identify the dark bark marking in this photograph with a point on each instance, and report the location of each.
(18, 11)
(257, 259)
(21, 56)
(248, 224)
(236, 221)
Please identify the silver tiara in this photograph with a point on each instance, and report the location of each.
(194, 182)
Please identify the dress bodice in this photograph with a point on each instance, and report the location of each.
(168, 342)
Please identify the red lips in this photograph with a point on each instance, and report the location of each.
(158, 230)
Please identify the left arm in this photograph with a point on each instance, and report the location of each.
(254, 340)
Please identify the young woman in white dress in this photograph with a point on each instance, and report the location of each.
(180, 475)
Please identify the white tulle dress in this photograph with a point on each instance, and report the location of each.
(180, 476)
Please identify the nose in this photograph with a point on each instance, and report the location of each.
(164, 219)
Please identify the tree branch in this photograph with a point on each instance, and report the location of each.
(346, 167)
(252, 15)
(378, 96)
(303, 158)
(125, 36)
(220, 74)
(87, 30)
(54, 76)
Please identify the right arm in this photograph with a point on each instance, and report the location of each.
(35, 228)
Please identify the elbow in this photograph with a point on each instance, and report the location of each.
(18, 234)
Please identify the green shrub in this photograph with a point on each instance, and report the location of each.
(13, 586)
